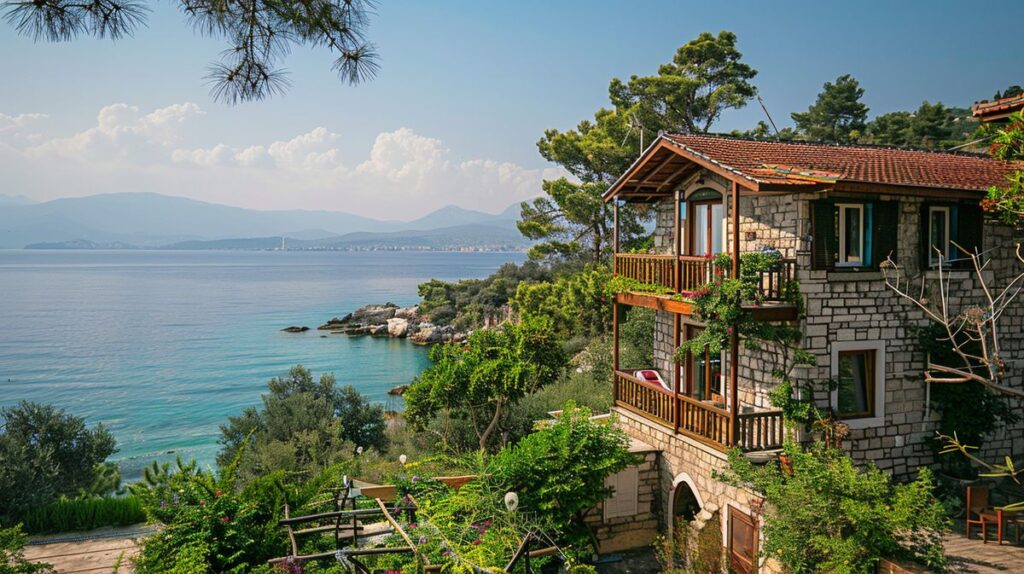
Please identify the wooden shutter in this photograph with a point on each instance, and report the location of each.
(968, 232)
(885, 230)
(823, 234)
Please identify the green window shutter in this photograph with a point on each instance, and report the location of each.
(968, 225)
(824, 240)
(885, 231)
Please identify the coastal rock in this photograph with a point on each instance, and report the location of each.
(398, 327)
(336, 324)
(294, 329)
(373, 314)
(410, 313)
(378, 330)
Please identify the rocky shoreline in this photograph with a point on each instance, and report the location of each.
(390, 320)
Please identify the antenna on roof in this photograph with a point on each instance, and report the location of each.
(635, 124)
(765, 108)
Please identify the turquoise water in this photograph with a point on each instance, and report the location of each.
(163, 346)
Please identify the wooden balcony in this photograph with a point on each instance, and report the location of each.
(700, 420)
(684, 273)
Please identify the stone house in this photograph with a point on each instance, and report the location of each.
(835, 213)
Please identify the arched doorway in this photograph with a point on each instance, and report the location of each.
(685, 504)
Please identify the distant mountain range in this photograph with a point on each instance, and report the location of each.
(150, 221)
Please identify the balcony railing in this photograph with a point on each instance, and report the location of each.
(700, 420)
(689, 272)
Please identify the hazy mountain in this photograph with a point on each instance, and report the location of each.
(15, 200)
(154, 220)
(452, 215)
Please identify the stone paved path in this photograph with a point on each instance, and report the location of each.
(95, 552)
(975, 557)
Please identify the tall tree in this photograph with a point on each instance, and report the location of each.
(477, 380)
(305, 424)
(931, 126)
(688, 94)
(837, 115)
(259, 34)
(46, 454)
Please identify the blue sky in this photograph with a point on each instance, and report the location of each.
(466, 89)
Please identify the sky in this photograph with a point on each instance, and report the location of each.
(466, 89)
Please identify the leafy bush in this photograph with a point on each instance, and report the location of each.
(590, 389)
(12, 556)
(559, 471)
(70, 515)
(464, 304)
(304, 426)
(207, 525)
(576, 305)
(828, 515)
(47, 454)
(476, 381)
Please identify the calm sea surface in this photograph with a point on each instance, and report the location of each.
(163, 346)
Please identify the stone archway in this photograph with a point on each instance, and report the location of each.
(686, 501)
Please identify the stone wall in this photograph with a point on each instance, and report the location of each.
(627, 532)
(857, 307)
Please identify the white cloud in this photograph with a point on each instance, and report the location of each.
(403, 175)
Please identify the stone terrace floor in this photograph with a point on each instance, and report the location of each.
(975, 557)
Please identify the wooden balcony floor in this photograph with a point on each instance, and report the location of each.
(768, 311)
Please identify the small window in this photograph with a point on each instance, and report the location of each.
(856, 384)
(938, 235)
(851, 235)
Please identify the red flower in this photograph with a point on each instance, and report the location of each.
(477, 542)
(218, 493)
(202, 503)
(225, 519)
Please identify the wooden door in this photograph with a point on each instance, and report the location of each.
(742, 542)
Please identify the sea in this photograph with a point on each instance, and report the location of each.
(163, 346)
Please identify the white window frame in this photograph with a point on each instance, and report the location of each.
(842, 234)
(932, 261)
(624, 501)
(878, 419)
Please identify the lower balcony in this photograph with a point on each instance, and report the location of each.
(705, 421)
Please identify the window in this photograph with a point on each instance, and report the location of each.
(623, 501)
(851, 235)
(944, 226)
(742, 542)
(856, 384)
(705, 223)
(938, 235)
(704, 371)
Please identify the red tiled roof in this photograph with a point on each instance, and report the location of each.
(998, 108)
(782, 163)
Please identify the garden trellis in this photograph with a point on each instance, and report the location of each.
(354, 535)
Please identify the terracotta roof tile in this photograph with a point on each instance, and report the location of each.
(997, 107)
(803, 163)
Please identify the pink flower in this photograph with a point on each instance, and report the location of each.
(225, 519)
(202, 503)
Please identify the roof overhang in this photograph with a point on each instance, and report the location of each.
(666, 164)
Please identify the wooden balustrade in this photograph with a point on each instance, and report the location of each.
(760, 430)
(694, 271)
(701, 420)
(647, 399)
(689, 272)
(657, 270)
(704, 421)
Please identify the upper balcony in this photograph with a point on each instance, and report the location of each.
(681, 275)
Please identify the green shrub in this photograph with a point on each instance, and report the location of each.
(12, 557)
(70, 515)
(828, 515)
(48, 454)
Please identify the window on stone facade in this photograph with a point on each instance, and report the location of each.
(856, 384)
(938, 235)
(703, 371)
(624, 499)
(851, 235)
